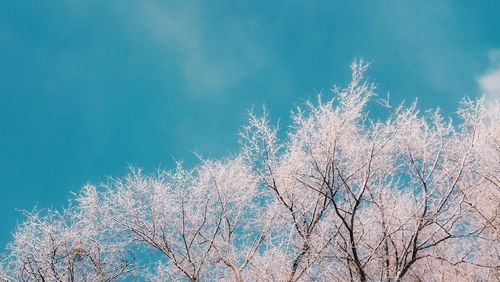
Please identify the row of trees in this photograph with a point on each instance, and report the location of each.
(342, 198)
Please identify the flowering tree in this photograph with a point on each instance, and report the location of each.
(74, 245)
(344, 197)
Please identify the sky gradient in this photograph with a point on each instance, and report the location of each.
(88, 88)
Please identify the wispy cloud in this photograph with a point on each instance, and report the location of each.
(207, 64)
(490, 81)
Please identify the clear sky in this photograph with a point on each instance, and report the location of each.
(88, 88)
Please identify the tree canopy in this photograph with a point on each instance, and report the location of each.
(343, 197)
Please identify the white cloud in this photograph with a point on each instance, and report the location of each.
(490, 84)
(490, 81)
(181, 31)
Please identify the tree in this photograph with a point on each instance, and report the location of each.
(343, 197)
(74, 245)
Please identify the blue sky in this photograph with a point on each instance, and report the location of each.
(88, 88)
